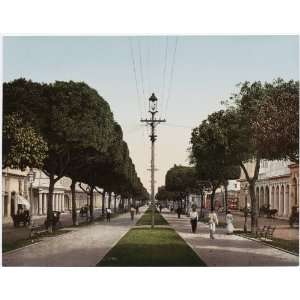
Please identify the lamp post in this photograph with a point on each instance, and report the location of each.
(31, 178)
(153, 122)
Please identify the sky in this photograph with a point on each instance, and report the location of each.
(190, 76)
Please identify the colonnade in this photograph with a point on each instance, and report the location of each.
(279, 195)
(58, 203)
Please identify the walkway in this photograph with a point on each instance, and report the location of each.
(83, 247)
(228, 250)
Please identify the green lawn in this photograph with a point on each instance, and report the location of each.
(146, 218)
(151, 247)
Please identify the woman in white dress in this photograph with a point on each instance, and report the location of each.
(229, 222)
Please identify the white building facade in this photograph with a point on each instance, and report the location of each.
(277, 186)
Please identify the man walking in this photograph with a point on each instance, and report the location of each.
(212, 222)
(108, 214)
(132, 213)
(194, 219)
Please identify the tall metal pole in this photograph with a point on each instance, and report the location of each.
(152, 171)
(152, 122)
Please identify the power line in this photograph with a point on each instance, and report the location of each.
(141, 72)
(171, 76)
(164, 73)
(135, 77)
(178, 125)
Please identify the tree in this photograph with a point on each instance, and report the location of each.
(208, 154)
(181, 180)
(22, 145)
(246, 127)
(70, 117)
(277, 124)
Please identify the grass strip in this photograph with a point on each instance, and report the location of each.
(158, 247)
(146, 219)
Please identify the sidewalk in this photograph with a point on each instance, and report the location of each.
(83, 247)
(228, 250)
(11, 234)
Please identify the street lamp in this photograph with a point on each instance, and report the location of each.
(153, 104)
(31, 177)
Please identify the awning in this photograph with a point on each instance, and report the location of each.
(21, 200)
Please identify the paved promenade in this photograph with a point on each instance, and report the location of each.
(83, 247)
(228, 250)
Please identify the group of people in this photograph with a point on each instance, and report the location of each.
(212, 222)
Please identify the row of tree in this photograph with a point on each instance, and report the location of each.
(67, 129)
(261, 121)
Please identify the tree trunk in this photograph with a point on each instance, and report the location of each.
(50, 204)
(226, 196)
(74, 211)
(252, 181)
(254, 208)
(103, 202)
(109, 199)
(92, 203)
(212, 198)
(115, 203)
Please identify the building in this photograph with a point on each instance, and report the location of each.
(17, 183)
(233, 190)
(277, 186)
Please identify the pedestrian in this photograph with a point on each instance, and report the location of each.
(108, 214)
(132, 213)
(178, 212)
(160, 208)
(136, 209)
(194, 219)
(212, 222)
(229, 223)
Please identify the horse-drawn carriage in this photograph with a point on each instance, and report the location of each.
(22, 216)
(84, 211)
(266, 211)
(294, 217)
(55, 220)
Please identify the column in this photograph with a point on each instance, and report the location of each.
(63, 202)
(291, 199)
(58, 202)
(40, 203)
(54, 202)
(45, 203)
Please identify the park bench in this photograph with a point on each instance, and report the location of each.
(270, 232)
(265, 232)
(36, 230)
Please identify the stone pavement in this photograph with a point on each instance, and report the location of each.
(83, 247)
(11, 234)
(228, 250)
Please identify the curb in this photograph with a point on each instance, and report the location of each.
(266, 244)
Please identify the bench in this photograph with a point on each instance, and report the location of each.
(36, 230)
(265, 232)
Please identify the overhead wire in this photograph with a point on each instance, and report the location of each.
(135, 77)
(164, 74)
(142, 73)
(171, 77)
